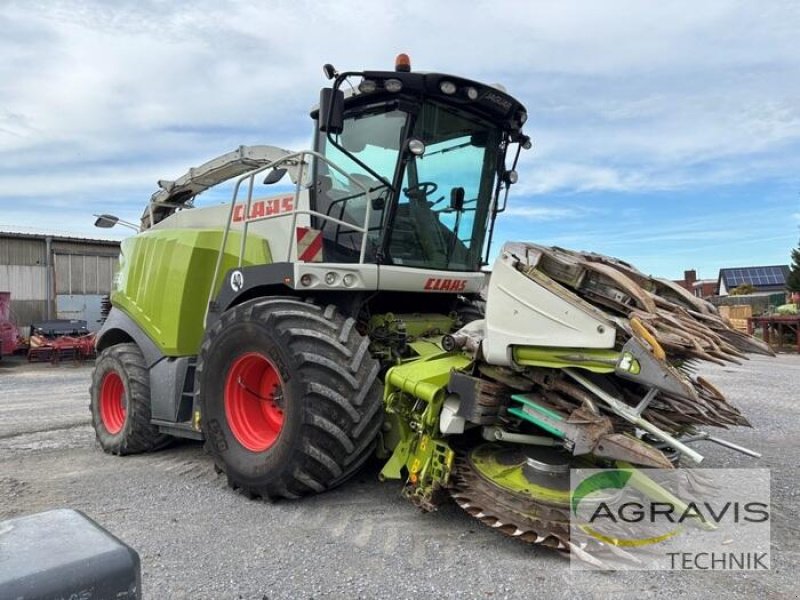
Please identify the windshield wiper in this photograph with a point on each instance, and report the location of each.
(448, 149)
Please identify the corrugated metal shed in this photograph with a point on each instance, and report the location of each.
(84, 273)
(25, 312)
(57, 237)
(80, 272)
(24, 282)
(94, 247)
(21, 251)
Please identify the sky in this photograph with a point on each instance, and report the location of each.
(666, 134)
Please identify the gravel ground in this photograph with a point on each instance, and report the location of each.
(198, 539)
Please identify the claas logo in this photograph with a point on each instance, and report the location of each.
(436, 284)
(264, 208)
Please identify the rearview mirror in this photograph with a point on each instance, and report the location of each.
(331, 111)
(274, 176)
(457, 199)
(106, 221)
(378, 203)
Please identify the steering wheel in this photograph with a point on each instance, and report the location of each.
(422, 190)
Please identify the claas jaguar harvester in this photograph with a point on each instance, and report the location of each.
(300, 333)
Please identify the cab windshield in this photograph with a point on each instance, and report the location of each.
(430, 212)
(443, 207)
(372, 138)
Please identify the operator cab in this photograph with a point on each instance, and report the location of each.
(423, 163)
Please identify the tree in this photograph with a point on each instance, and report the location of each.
(743, 290)
(793, 280)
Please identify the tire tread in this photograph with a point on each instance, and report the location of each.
(138, 434)
(342, 393)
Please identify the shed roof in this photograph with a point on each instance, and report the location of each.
(59, 238)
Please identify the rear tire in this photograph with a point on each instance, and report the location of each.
(469, 311)
(120, 402)
(289, 397)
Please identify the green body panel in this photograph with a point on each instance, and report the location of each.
(397, 436)
(596, 361)
(427, 346)
(165, 278)
(425, 378)
(414, 393)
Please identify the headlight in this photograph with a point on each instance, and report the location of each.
(448, 87)
(367, 86)
(393, 85)
(416, 147)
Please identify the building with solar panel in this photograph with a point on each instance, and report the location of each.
(763, 279)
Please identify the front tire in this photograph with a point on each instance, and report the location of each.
(470, 310)
(120, 402)
(289, 397)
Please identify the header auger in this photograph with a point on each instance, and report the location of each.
(299, 333)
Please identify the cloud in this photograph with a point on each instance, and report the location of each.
(98, 100)
(667, 232)
(547, 176)
(542, 213)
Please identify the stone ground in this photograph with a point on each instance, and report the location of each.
(198, 539)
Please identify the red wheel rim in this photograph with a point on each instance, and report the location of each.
(253, 392)
(112, 402)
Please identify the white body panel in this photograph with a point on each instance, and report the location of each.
(387, 277)
(524, 312)
(276, 229)
(407, 279)
(359, 277)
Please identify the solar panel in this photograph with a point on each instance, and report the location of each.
(756, 276)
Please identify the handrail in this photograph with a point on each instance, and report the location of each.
(291, 250)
